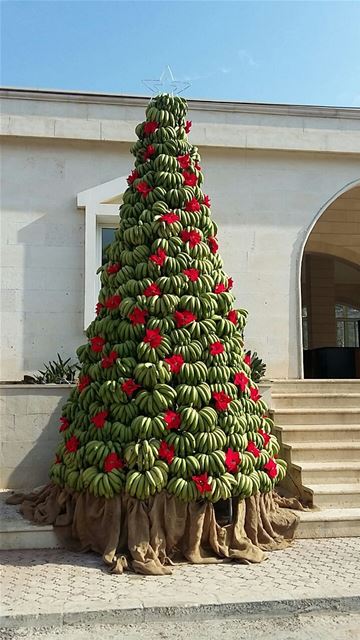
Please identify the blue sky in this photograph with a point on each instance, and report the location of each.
(292, 52)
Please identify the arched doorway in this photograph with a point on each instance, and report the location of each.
(330, 291)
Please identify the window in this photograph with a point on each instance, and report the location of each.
(107, 235)
(305, 328)
(347, 325)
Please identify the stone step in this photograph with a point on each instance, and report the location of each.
(292, 433)
(317, 416)
(329, 523)
(331, 496)
(315, 386)
(324, 452)
(18, 533)
(312, 400)
(330, 472)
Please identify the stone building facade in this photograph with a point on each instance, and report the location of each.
(285, 188)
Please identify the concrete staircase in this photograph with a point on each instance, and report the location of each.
(318, 424)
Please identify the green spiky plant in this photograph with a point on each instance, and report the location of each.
(57, 372)
(165, 399)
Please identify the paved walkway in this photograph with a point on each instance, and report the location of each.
(55, 587)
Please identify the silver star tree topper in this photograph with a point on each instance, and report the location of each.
(166, 84)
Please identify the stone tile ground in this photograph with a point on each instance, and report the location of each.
(55, 586)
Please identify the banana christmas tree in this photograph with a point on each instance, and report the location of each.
(165, 400)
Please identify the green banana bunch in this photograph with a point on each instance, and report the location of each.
(207, 442)
(184, 490)
(184, 467)
(144, 428)
(184, 442)
(192, 373)
(245, 485)
(143, 484)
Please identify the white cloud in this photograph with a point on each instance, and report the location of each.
(246, 57)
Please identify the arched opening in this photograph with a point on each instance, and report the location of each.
(330, 291)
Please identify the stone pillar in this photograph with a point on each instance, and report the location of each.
(320, 296)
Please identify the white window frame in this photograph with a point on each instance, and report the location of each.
(101, 205)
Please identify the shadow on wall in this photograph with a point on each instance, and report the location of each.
(51, 308)
(30, 433)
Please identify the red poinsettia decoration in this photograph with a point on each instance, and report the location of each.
(83, 382)
(175, 362)
(152, 290)
(271, 468)
(232, 460)
(232, 316)
(129, 387)
(138, 316)
(222, 400)
(247, 359)
(265, 436)
(230, 283)
(113, 268)
(202, 483)
(57, 459)
(213, 244)
(109, 360)
(197, 166)
(190, 179)
(153, 337)
(159, 257)
(170, 217)
(193, 237)
(252, 448)
(192, 206)
(134, 175)
(72, 444)
(188, 126)
(184, 161)
(216, 348)
(166, 451)
(182, 318)
(220, 288)
(192, 274)
(98, 308)
(97, 343)
(254, 394)
(100, 419)
(241, 380)
(64, 424)
(112, 461)
(143, 188)
(150, 127)
(113, 302)
(206, 201)
(149, 151)
(172, 419)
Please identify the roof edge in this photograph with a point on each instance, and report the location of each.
(87, 97)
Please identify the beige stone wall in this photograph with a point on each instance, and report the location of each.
(29, 433)
(268, 173)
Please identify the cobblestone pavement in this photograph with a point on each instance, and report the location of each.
(295, 627)
(48, 582)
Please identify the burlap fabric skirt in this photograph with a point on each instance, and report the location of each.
(150, 536)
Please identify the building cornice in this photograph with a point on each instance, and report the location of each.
(63, 115)
(225, 106)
